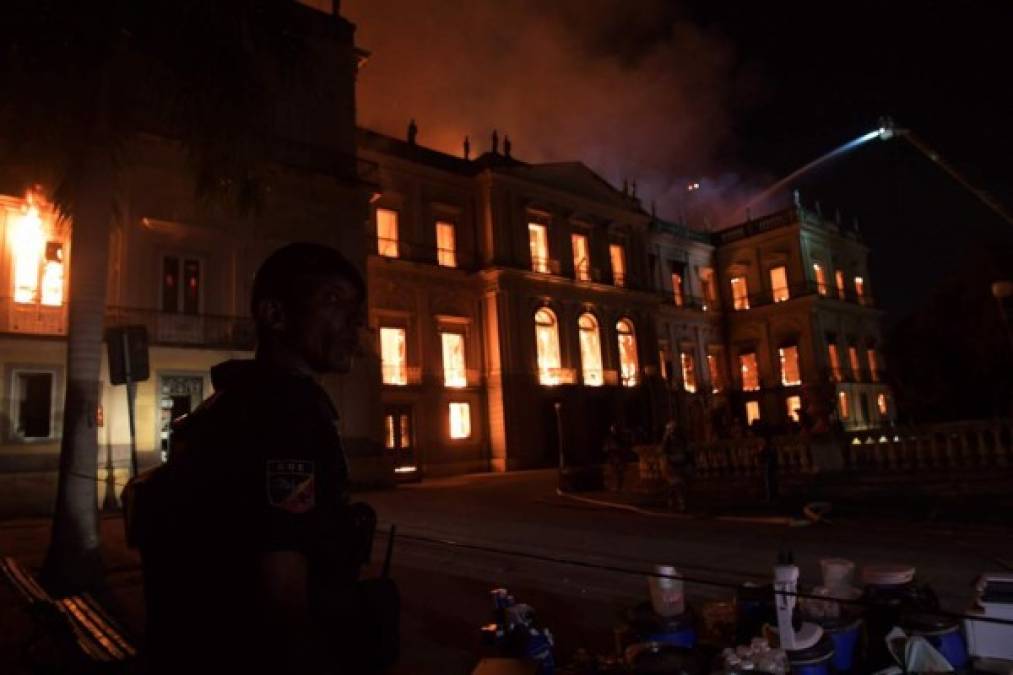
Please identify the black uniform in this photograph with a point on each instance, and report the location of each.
(257, 468)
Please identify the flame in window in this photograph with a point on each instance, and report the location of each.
(688, 372)
(750, 372)
(454, 374)
(38, 265)
(460, 420)
(629, 365)
(790, 374)
(590, 351)
(547, 345)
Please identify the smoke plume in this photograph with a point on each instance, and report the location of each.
(634, 90)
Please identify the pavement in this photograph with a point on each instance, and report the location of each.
(579, 563)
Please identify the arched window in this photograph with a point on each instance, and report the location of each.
(628, 364)
(590, 350)
(547, 343)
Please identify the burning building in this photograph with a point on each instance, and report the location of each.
(516, 309)
(521, 309)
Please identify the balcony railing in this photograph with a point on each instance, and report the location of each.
(191, 330)
(164, 328)
(400, 376)
(802, 289)
(402, 249)
(692, 302)
(460, 379)
(555, 376)
(32, 318)
(902, 451)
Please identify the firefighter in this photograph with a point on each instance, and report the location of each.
(250, 548)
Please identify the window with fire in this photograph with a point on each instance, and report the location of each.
(629, 365)
(37, 259)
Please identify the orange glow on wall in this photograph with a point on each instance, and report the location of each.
(883, 403)
(629, 364)
(839, 276)
(860, 288)
(750, 372)
(842, 403)
(873, 364)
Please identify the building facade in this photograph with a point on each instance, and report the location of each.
(520, 310)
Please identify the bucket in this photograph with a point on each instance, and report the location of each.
(666, 594)
(942, 633)
(844, 635)
(837, 573)
(815, 660)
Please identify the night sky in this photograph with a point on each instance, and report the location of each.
(733, 95)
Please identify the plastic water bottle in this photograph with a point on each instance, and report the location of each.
(667, 597)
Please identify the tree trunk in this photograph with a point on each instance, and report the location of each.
(73, 562)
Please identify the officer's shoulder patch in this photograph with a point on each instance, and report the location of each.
(290, 485)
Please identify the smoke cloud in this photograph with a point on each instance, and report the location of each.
(634, 90)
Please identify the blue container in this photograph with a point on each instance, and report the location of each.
(942, 633)
(815, 660)
(677, 631)
(844, 635)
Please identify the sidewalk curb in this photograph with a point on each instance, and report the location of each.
(784, 521)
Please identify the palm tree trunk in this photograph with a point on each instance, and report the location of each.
(73, 562)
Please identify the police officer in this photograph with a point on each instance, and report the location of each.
(250, 548)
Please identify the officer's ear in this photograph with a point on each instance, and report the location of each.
(269, 315)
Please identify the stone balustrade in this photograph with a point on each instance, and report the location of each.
(959, 445)
(973, 445)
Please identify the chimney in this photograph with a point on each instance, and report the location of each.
(413, 132)
(467, 148)
(507, 146)
(495, 142)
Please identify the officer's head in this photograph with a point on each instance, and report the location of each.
(308, 303)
